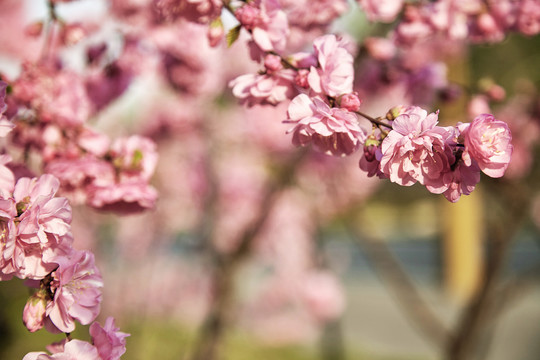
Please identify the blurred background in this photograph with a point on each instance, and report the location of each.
(336, 265)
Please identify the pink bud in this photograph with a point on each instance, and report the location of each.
(486, 23)
(496, 92)
(34, 312)
(350, 102)
(272, 63)
(215, 35)
(247, 15)
(301, 78)
(72, 34)
(34, 29)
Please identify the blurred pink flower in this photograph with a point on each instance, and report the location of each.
(126, 197)
(489, 142)
(335, 74)
(77, 174)
(381, 10)
(528, 21)
(269, 26)
(77, 287)
(309, 14)
(199, 11)
(134, 156)
(73, 350)
(57, 96)
(333, 131)
(109, 341)
(270, 89)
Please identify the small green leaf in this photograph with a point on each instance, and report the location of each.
(233, 35)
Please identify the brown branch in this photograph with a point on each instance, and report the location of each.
(211, 334)
(480, 310)
(395, 277)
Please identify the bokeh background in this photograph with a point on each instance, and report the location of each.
(344, 266)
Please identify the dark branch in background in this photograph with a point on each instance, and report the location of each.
(211, 334)
(480, 311)
(399, 283)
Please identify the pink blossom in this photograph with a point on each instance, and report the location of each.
(350, 102)
(7, 179)
(134, 156)
(73, 350)
(34, 312)
(381, 49)
(413, 28)
(77, 292)
(332, 131)
(371, 159)
(272, 63)
(105, 85)
(5, 124)
(8, 213)
(271, 89)
(528, 21)
(462, 180)
(77, 174)
(109, 341)
(127, 197)
(43, 229)
(199, 11)
(381, 10)
(309, 14)
(271, 27)
(335, 73)
(414, 151)
(56, 96)
(489, 142)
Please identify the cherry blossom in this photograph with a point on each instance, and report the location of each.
(332, 131)
(76, 286)
(109, 341)
(488, 141)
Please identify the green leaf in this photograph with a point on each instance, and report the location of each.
(233, 35)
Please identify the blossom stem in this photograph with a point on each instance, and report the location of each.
(49, 31)
(373, 120)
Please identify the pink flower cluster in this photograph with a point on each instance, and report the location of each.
(475, 20)
(51, 108)
(267, 23)
(334, 131)
(35, 226)
(108, 343)
(445, 160)
(325, 74)
(36, 244)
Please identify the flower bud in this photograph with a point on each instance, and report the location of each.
(71, 34)
(301, 78)
(350, 102)
(34, 311)
(215, 35)
(247, 15)
(272, 63)
(34, 29)
(394, 112)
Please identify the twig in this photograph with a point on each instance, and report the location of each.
(406, 293)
